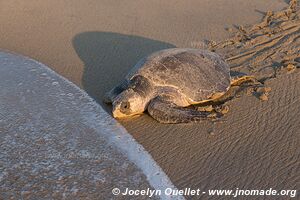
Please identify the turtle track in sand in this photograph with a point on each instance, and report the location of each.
(266, 49)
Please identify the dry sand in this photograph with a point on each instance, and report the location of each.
(95, 43)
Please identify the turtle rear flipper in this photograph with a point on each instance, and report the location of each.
(239, 80)
(167, 112)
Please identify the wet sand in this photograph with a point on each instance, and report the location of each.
(95, 43)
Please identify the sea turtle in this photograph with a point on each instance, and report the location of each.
(168, 81)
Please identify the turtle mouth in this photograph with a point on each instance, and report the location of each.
(119, 115)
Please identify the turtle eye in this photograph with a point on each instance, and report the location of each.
(125, 105)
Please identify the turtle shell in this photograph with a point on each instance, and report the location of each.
(196, 73)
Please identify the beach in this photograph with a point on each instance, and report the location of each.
(95, 43)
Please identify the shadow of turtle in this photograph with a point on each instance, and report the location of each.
(108, 57)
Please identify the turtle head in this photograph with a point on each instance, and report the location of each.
(134, 99)
(128, 103)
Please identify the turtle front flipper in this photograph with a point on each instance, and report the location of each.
(113, 93)
(167, 112)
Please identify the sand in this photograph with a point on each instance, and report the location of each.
(95, 43)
